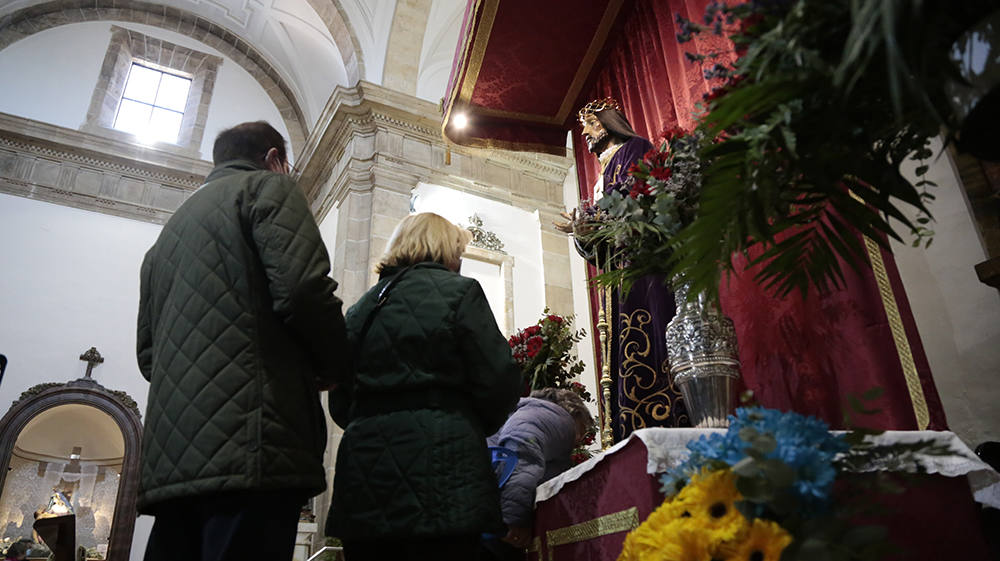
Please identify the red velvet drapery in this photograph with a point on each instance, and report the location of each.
(801, 354)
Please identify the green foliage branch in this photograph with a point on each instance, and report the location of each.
(802, 145)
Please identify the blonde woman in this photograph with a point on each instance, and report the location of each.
(433, 376)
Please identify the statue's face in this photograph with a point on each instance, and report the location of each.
(594, 133)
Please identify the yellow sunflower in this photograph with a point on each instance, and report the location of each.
(764, 541)
(686, 542)
(650, 535)
(709, 500)
(666, 536)
(676, 541)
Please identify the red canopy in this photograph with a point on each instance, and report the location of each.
(522, 69)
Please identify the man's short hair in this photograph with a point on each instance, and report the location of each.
(248, 141)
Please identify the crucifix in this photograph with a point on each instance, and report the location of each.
(93, 358)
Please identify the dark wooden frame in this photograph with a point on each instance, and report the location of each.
(116, 404)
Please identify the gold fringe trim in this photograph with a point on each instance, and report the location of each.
(622, 521)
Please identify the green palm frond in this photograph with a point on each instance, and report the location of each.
(836, 96)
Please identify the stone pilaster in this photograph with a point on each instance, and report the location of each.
(555, 257)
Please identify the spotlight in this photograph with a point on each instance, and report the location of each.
(460, 121)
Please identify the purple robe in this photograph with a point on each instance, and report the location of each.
(642, 394)
(616, 172)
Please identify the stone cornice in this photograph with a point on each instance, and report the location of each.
(82, 170)
(369, 127)
(83, 146)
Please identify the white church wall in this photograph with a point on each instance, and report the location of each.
(581, 301)
(70, 281)
(518, 229)
(328, 230)
(50, 77)
(328, 233)
(958, 317)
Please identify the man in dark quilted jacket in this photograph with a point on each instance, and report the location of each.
(238, 332)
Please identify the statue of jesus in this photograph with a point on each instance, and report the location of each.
(642, 393)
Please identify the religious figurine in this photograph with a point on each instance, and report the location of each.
(642, 394)
(59, 504)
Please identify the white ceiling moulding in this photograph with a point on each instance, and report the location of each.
(26, 21)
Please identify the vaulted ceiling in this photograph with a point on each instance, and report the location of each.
(305, 47)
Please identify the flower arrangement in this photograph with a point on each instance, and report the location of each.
(633, 232)
(818, 105)
(544, 352)
(761, 491)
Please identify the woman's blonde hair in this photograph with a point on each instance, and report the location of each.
(425, 237)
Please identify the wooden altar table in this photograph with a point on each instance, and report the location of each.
(585, 513)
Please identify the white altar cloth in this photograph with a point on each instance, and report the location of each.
(667, 448)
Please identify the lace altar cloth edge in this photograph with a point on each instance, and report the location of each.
(667, 448)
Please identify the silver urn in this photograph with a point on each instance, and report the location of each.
(704, 362)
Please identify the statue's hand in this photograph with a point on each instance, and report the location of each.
(567, 226)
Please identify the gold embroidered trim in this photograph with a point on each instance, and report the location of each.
(609, 153)
(479, 48)
(899, 335)
(621, 521)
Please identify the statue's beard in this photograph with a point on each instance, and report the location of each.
(597, 144)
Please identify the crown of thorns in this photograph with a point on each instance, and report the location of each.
(598, 105)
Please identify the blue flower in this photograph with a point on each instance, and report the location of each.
(803, 443)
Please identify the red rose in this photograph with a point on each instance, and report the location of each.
(554, 318)
(672, 133)
(651, 155)
(663, 174)
(532, 331)
(639, 188)
(534, 345)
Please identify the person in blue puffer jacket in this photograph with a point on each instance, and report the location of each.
(542, 430)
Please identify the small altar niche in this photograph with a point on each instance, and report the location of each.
(72, 448)
(76, 450)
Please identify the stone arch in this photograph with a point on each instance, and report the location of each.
(31, 20)
(406, 37)
(343, 35)
(121, 408)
